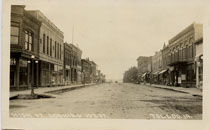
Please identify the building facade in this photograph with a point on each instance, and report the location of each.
(86, 71)
(165, 61)
(75, 62)
(157, 67)
(50, 52)
(199, 62)
(144, 68)
(24, 48)
(67, 63)
(93, 71)
(79, 65)
(181, 56)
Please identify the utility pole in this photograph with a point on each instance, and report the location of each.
(73, 34)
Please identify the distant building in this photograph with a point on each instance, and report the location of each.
(86, 70)
(93, 71)
(24, 49)
(75, 63)
(165, 62)
(157, 67)
(79, 65)
(144, 68)
(67, 63)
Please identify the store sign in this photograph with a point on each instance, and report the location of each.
(23, 63)
(67, 67)
(171, 68)
(12, 61)
(199, 64)
(179, 80)
(183, 76)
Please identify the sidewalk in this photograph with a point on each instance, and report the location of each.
(43, 90)
(192, 91)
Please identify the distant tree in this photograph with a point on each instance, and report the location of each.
(131, 75)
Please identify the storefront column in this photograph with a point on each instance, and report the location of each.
(40, 73)
(17, 73)
(28, 75)
(50, 75)
(197, 75)
(37, 73)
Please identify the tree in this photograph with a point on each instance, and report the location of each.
(131, 75)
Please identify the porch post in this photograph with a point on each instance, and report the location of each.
(17, 73)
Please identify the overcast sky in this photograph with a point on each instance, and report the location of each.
(114, 33)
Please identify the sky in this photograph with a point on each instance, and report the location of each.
(114, 33)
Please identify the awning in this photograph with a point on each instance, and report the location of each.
(155, 73)
(144, 75)
(163, 71)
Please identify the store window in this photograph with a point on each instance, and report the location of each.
(12, 71)
(28, 40)
(23, 72)
(14, 35)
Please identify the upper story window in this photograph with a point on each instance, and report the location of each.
(28, 40)
(14, 35)
(60, 52)
(55, 49)
(43, 43)
(58, 56)
(50, 46)
(47, 45)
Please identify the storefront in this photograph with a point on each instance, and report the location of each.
(163, 74)
(23, 73)
(182, 74)
(155, 77)
(199, 71)
(67, 75)
(51, 74)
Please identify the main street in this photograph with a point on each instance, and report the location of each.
(116, 101)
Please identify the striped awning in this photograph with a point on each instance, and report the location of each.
(163, 71)
(144, 75)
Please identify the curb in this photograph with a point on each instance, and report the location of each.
(57, 91)
(171, 89)
(63, 90)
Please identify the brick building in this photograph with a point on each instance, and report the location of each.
(75, 62)
(86, 71)
(50, 51)
(157, 67)
(67, 63)
(199, 62)
(93, 71)
(24, 48)
(181, 56)
(144, 68)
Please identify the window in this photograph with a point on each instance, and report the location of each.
(43, 43)
(47, 45)
(60, 52)
(28, 40)
(50, 46)
(14, 35)
(55, 49)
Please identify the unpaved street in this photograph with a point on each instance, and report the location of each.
(117, 101)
